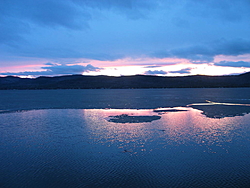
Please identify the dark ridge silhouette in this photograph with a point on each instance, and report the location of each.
(124, 82)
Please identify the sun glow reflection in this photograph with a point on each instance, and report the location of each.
(177, 126)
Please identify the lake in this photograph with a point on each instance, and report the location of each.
(125, 138)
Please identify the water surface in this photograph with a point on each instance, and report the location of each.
(117, 138)
(83, 148)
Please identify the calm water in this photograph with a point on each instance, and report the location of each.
(185, 146)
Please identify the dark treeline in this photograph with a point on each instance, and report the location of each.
(124, 82)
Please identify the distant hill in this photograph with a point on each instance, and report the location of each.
(124, 82)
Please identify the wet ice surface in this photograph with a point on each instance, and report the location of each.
(124, 118)
(117, 98)
(132, 143)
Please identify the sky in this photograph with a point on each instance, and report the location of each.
(124, 37)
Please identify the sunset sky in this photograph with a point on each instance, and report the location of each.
(124, 37)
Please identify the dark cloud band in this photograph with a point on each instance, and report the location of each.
(56, 70)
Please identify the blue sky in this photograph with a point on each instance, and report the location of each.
(122, 37)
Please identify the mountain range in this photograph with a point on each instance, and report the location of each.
(124, 82)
